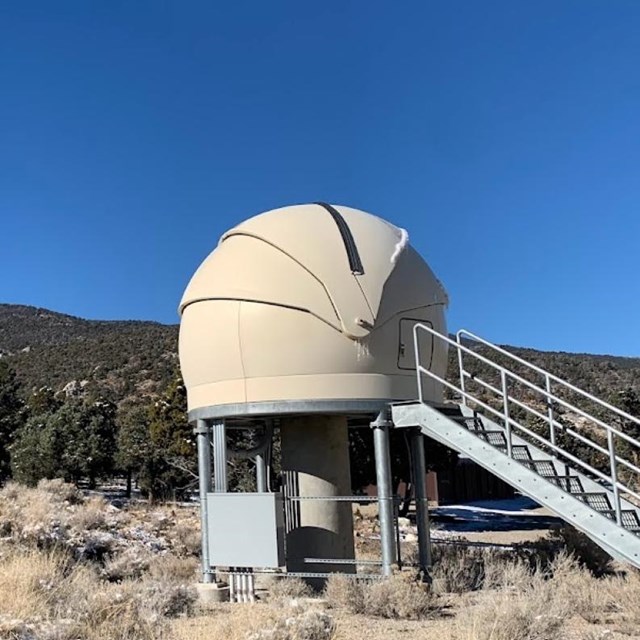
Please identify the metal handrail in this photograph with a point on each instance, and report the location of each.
(550, 398)
(548, 374)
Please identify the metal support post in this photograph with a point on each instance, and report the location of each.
(380, 428)
(219, 456)
(261, 472)
(263, 459)
(422, 505)
(202, 432)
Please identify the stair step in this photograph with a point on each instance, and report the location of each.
(569, 483)
(544, 468)
(597, 501)
(461, 418)
(519, 452)
(472, 423)
(496, 438)
(630, 519)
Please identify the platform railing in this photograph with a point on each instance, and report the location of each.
(505, 398)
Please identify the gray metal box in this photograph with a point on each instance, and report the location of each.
(246, 529)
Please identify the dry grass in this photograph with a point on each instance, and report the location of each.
(50, 595)
(400, 596)
(74, 567)
(305, 625)
(284, 590)
(547, 604)
(77, 568)
(345, 593)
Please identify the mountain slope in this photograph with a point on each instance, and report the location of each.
(119, 358)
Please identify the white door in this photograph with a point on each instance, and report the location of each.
(406, 349)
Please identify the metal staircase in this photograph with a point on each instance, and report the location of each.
(561, 446)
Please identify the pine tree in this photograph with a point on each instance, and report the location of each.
(134, 449)
(76, 442)
(11, 416)
(170, 470)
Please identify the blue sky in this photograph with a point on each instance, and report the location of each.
(505, 136)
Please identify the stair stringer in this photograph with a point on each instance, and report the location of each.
(615, 540)
(588, 483)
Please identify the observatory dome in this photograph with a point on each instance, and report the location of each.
(310, 302)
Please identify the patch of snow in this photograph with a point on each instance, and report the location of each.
(402, 242)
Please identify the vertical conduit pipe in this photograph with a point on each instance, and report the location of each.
(422, 505)
(219, 456)
(380, 428)
(204, 476)
(232, 586)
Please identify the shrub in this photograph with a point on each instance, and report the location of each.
(533, 613)
(172, 569)
(128, 565)
(188, 540)
(344, 593)
(61, 490)
(283, 589)
(310, 625)
(458, 569)
(90, 514)
(399, 596)
(567, 539)
(168, 599)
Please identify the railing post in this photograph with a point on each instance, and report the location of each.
(552, 428)
(416, 351)
(505, 406)
(614, 475)
(461, 368)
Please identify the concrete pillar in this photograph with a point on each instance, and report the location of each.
(315, 462)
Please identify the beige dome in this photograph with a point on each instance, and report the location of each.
(308, 302)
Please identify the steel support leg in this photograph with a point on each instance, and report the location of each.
(202, 432)
(385, 492)
(261, 472)
(422, 509)
(219, 457)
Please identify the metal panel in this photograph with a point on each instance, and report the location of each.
(290, 407)
(246, 529)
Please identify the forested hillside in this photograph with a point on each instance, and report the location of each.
(120, 360)
(86, 400)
